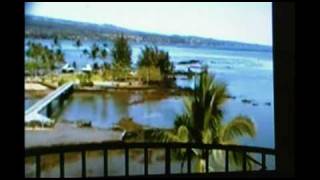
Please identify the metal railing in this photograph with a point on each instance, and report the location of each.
(37, 152)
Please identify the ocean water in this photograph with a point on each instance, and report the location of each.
(248, 75)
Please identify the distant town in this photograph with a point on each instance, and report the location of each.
(42, 27)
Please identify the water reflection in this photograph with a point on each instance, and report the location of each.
(155, 109)
(106, 108)
(121, 101)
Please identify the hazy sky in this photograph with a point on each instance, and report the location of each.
(245, 22)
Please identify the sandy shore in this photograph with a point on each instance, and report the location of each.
(35, 86)
(66, 133)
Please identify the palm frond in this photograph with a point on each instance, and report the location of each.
(206, 136)
(238, 127)
(179, 135)
(220, 93)
(188, 104)
(183, 134)
(236, 160)
(183, 119)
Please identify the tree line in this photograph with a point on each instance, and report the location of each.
(153, 64)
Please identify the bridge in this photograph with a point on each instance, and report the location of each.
(33, 113)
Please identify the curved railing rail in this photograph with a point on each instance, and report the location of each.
(37, 152)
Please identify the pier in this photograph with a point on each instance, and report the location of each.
(61, 93)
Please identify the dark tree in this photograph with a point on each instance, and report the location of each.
(104, 53)
(74, 64)
(78, 43)
(121, 51)
(152, 56)
(56, 41)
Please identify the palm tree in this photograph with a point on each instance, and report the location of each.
(93, 54)
(94, 51)
(59, 56)
(104, 53)
(85, 52)
(56, 41)
(178, 134)
(46, 58)
(78, 43)
(74, 65)
(203, 122)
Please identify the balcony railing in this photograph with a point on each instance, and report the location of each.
(37, 152)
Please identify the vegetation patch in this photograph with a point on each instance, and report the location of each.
(129, 125)
(246, 101)
(37, 124)
(192, 61)
(83, 124)
(85, 79)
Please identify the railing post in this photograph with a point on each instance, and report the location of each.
(263, 162)
(61, 100)
(69, 91)
(244, 161)
(61, 164)
(189, 158)
(226, 165)
(167, 161)
(146, 161)
(49, 110)
(105, 152)
(71, 88)
(84, 169)
(66, 94)
(207, 159)
(127, 161)
(38, 166)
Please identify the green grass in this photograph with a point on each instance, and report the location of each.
(143, 74)
(97, 77)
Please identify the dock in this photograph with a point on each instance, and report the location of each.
(61, 93)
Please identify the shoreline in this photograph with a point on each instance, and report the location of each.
(67, 133)
(39, 87)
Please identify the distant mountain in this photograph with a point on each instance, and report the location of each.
(42, 27)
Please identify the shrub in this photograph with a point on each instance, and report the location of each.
(129, 125)
(36, 123)
(120, 72)
(33, 124)
(106, 66)
(149, 74)
(82, 124)
(89, 83)
(62, 81)
(106, 74)
(95, 66)
(152, 56)
(85, 79)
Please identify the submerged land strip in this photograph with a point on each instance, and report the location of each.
(67, 133)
